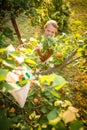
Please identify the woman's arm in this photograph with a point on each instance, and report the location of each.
(44, 56)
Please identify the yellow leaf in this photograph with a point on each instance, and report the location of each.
(30, 61)
(47, 79)
(54, 121)
(70, 114)
(12, 110)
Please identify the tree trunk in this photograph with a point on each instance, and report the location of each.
(13, 20)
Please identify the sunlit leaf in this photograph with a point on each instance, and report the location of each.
(58, 82)
(46, 79)
(3, 73)
(15, 53)
(29, 61)
(32, 115)
(66, 103)
(1, 60)
(26, 50)
(9, 63)
(2, 50)
(55, 121)
(54, 93)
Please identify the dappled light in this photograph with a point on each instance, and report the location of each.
(45, 90)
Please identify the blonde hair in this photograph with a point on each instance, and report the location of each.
(51, 22)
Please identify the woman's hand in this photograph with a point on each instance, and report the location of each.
(37, 48)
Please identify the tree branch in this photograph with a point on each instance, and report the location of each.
(9, 98)
(65, 62)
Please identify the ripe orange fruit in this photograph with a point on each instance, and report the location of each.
(59, 55)
(18, 49)
(84, 62)
(36, 100)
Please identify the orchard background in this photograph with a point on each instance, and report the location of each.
(58, 94)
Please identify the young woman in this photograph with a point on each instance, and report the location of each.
(50, 29)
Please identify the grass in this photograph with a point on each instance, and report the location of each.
(25, 28)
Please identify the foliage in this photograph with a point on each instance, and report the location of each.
(58, 10)
(47, 106)
(4, 33)
(10, 9)
(78, 92)
(37, 12)
(63, 45)
(78, 16)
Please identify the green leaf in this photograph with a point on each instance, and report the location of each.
(61, 126)
(9, 63)
(55, 121)
(76, 125)
(1, 59)
(15, 53)
(44, 110)
(6, 87)
(3, 73)
(52, 114)
(5, 121)
(2, 113)
(58, 82)
(54, 93)
(24, 65)
(59, 86)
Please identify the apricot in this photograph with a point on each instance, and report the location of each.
(59, 55)
(36, 100)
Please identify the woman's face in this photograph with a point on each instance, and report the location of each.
(50, 30)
